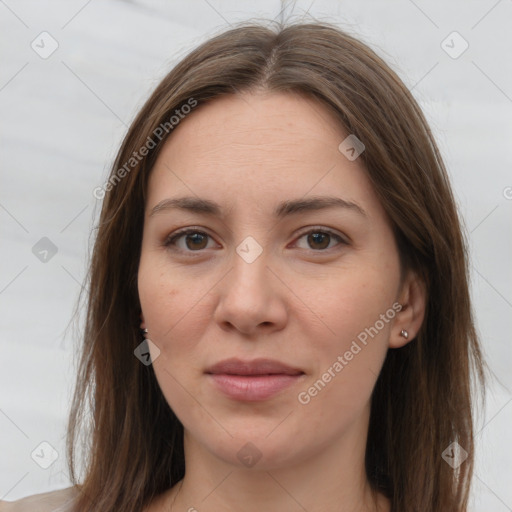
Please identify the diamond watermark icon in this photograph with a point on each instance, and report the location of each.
(249, 249)
(249, 455)
(454, 45)
(60, 478)
(44, 45)
(455, 455)
(44, 455)
(44, 250)
(147, 352)
(351, 147)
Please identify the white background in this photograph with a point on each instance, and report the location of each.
(63, 117)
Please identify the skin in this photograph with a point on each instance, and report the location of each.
(302, 301)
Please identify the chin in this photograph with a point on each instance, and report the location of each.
(257, 448)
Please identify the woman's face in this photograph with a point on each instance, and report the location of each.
(274, 314)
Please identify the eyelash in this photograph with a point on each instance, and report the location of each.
(170, 242)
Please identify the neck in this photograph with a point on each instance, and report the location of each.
(331, 479)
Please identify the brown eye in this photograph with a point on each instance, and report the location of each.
(196, 240)
(189, 240)
(319, 240)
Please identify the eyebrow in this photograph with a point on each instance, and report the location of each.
(283, 209)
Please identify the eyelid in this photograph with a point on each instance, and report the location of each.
(323, 229)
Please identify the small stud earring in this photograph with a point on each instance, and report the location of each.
(404, 334)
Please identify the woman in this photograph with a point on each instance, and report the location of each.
(279, 315)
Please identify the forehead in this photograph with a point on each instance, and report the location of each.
(258, 147)
(258, 123)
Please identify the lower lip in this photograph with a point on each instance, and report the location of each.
(253, 388)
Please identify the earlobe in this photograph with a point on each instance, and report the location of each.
(410, 318)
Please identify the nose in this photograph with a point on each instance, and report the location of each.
(252, 299)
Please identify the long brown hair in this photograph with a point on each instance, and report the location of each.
(422, 401)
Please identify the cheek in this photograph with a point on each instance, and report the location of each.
(348, 354)
(176, 310)
(174, 316)
(158, 295)
(352, 339)
(354, 301)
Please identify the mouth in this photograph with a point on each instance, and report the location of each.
(252, 381)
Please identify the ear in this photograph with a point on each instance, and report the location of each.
(142, 322)
(413, 298)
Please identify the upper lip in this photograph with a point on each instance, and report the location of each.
(235, 366)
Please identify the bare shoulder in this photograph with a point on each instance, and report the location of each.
(53, 501)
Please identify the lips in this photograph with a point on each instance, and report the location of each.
(256, 380)
(255, 367)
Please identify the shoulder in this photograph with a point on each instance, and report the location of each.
(53, 501)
